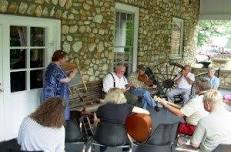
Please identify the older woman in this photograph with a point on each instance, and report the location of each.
(43, 130)
(56, 80)
(112, 115)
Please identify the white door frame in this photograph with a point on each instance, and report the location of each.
(14, 111)
(1, 86)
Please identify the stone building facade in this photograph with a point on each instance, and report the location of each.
(88, 28)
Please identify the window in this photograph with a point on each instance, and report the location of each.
(126, 31)
(27, 53)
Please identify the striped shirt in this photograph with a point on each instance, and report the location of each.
(35, 137)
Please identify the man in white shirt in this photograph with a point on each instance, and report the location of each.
(193, 110)
(215, 128)
(184, 83)
(116, 79)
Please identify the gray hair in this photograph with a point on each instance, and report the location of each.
(211, 69)
(203, 84)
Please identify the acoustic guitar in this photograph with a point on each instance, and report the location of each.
(139, 127)
(158, 99)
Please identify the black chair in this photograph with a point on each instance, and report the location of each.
(109, 135)
(73, 137)
(223, 148)
(10, 146)
(162, 139)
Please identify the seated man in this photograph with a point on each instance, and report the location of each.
(139, 87)
(215, 81)
(116, 79)
(184, 83)
(215, 128)
(193, 110)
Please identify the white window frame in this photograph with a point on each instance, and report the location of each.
(50, 46)
(133, 10)
(28, 69)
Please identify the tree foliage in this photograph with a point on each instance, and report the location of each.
(211, 28)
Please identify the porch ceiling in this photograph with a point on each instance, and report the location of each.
(215, 9)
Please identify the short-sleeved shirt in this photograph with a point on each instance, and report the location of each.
(213, 130)
(35, 137)
(194, 110)
(214, 81)
(183, 83)
(52, 86)
(109, 82)
(114, 113)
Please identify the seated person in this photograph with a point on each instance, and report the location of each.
(215, 128)
(43, 130)
(193, 110)
(215, 81)
(118, 80)
(139, 87)
(184, 83)
(112, 116)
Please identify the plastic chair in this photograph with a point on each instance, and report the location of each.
(110, 136)
(73, 137)
(162, 139)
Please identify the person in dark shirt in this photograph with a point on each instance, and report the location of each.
(112, 116)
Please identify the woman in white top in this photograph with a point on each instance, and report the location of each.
(43, 130)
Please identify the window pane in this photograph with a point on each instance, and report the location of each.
(124, 37)
(18, 81)
(36, 58)
(130, 30)
(37, 36)
(18, 36)
(17, 59)
(36, 79)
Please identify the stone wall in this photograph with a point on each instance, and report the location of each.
(88, 28)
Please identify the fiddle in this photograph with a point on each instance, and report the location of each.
(69, 67)
(144, 78)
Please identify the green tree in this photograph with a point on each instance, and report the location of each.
(209, 28)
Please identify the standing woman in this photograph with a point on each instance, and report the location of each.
(56, 80)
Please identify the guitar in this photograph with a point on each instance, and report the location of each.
(158, 99)
(139, 126)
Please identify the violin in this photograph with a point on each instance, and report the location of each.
(144, 78)
(69, 67)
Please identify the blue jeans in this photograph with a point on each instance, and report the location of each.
(147, 99)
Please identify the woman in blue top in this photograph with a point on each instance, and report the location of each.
(56, 80)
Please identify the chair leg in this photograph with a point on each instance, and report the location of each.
(84, 148)
(89, 148)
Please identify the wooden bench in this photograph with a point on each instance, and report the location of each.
(90, 98)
